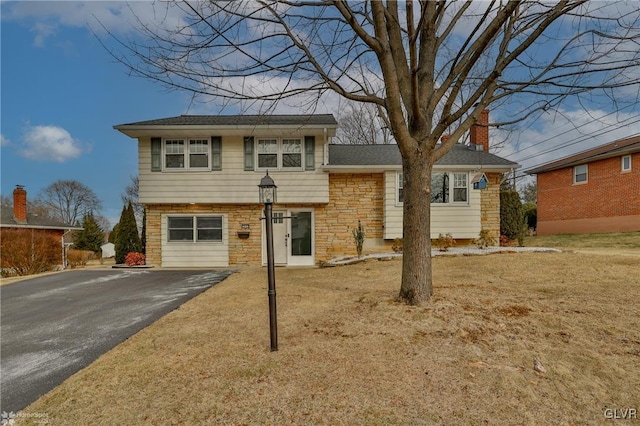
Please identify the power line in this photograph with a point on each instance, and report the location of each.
(582, 138)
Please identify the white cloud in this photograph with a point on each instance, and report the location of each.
(4, 141)
(567, 132)
(118, 17)
(50, 143)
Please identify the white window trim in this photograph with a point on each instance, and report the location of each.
(195, 229)
(279, 152)
(575, 168)
(186, 153)
(451, 187)
(622, 163)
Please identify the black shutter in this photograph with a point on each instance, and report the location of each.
(309, 152)
(156, 154)
(216, 153)
(248, 153)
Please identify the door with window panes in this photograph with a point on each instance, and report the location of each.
(293, 236)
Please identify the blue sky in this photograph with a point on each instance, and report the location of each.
(62, 93)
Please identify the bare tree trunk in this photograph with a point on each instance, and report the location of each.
(416, 286)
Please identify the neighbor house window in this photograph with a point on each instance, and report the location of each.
(182, 154)
(194, 228)
(446, 187)
(279, 154)
(626, 163)
(580, 173)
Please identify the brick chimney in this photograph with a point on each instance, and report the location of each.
(479, 133)
(20, 204)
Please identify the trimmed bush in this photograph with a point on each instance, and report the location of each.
(511, 215)
(135, 259)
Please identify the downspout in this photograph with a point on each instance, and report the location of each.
(325, 148)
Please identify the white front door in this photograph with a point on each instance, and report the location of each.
(293, 238)
(279, 237)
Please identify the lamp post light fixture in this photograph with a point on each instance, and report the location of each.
(268, 193)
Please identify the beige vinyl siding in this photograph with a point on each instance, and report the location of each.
(196, 255)
(392, 210)
(232, 184)
(462, 221)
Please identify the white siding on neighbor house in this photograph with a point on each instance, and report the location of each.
(462, 221)
(195, 255)
(232, 184)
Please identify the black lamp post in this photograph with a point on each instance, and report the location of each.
(268, 191)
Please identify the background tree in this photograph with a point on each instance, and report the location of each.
(113, 233)
(433, 66)
(130, 195)
(529, 192)
(69, 201)
(91, 236)
(127, 238)
(363, 124)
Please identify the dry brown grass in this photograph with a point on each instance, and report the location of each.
(350, 354)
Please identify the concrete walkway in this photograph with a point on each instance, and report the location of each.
(453, 251)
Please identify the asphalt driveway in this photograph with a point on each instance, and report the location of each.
(55, 325)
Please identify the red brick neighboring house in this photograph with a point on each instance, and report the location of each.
(18, 218)
(597, 190)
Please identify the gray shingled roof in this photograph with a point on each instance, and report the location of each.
(33, 221)
(238, 120)
(389, 155)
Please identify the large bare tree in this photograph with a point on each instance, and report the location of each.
(69, 201)
(432, 66)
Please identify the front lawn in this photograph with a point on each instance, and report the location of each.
(625, 242)
(528, 338)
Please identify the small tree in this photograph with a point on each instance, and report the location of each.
(358, 237)
(511, 216)
(91, 236)
(127, 238)
(113, 233)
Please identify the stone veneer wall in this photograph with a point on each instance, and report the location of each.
(490, 205)
(352, 197)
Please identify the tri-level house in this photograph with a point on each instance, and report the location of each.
(199, 179)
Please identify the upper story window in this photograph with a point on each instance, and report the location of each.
(580, 173)
(279, 154)
(186, 154)
(446, 187)
(626, 163)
